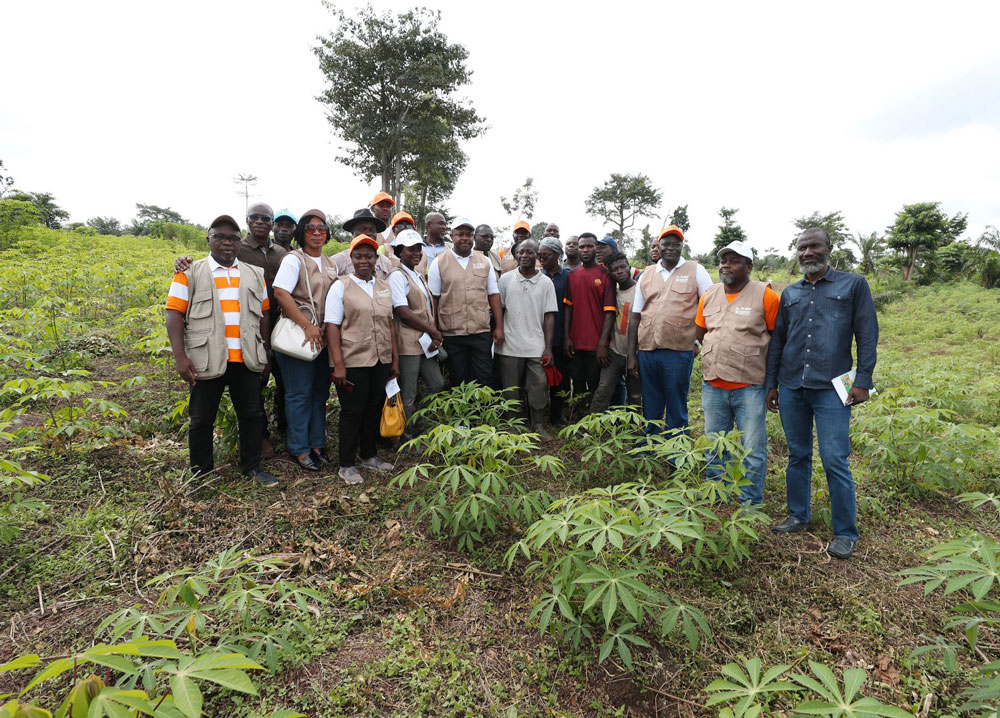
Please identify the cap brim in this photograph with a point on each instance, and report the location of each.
(224, 219)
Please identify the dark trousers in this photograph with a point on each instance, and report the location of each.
(612, 376)
(361, 411)
(556, 399)
(244, 392)
(280, 421)
(470, 358)
(586, 375)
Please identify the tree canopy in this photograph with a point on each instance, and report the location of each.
(621, 200)
(729, 230)
(923, 227)
(833, 222)
(392, 97)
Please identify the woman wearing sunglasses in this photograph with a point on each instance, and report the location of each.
(301, 286)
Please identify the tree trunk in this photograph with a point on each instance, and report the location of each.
(908, 268)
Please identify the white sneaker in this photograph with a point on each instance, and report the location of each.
(350, 475)
(378, 464)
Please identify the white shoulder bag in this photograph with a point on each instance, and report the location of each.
(289, 338)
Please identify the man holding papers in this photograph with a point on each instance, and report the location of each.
(418, 337)
(819, 320)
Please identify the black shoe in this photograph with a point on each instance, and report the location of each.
(790, 525)
(263, 478)
(841, 547)
(307, 462)
(320, 456)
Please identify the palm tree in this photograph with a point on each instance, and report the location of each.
(871, 248)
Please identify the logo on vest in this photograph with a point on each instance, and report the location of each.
(741, 311)
(478, 265)
(384, 292)
(682, 278)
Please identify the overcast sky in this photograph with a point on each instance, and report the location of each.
(778, 109)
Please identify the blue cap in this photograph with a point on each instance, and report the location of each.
(610, 242)
(285, 213)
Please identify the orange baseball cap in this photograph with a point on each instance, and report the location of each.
(522, 225)
(382, 197)
(672, 229)
(363, 239)
(399, 217)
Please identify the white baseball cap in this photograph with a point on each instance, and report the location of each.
(463, 222)
(741, 248)
(407, 238)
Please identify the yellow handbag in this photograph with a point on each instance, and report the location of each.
(393, 418)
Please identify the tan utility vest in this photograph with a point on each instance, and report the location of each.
(735, 346)
(463, 307)
(366, 334)
(406, 336)
(383, 264)
(320, 282)
(669, 308)
(508, 263)
(205, 328)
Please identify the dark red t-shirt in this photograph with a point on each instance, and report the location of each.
(591, 293)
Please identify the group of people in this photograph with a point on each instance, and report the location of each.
(541, 320)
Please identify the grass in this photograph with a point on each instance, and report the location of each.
(414, 627)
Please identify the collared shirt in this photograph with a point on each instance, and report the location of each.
(434, 274)
(591, 293)
(267, 256)
(559, 283)
(333, 312)
(400, 287)
(433, 250)
(816, 327)
(227, 288)
(701, 277)
(526, 301)
(288, 273)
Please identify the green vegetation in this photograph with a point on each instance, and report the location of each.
(494, 575)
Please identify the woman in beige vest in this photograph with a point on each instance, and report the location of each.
(362, 340)
(304, 278)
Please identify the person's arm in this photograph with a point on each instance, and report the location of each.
(394, 369)
(700, 329)
(602, 345)
(774, 351)
(866, 336)
(265, 337)
(567, 320)
(632, 361)
(181, 264)
(548, 328)
(337, 354)
(494, 300)
(314, 336)
(175, 332)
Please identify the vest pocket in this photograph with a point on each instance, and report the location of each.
(201, 306)
(449, 320)
(197, 349)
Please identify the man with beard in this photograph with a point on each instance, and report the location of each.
(820, 318)
(735, 320)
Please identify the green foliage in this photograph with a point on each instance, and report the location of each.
(729, 231)
(521, 204)
(49, 212)
(833, 222)
(679, 217)
(621, 200)
(605, 553)
(745, 690)
(475, 486)
(921, 228)
(15, 214)
(871, 247)
(106, 225)
(407, 63)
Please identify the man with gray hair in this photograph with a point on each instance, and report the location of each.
(436, 227)
(819, 320)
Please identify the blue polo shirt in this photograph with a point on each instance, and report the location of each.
(816, 329)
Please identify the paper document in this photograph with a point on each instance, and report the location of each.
(843, 385)
(391, 388)
(425, 342)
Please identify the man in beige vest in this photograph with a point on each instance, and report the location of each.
(735, 320)
(465, 291)
(217, 322)
(661, 334)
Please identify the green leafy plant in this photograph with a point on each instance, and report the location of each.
(746, 690)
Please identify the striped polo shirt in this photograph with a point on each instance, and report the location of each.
(227, 286)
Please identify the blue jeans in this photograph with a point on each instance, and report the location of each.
(307, 389)
(799, 408)
(745, 409)
(666, 379)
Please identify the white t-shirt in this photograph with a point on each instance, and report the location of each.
(333, 313)
(434, 275)
(401, 288)
(701, 277)
(288, 272)
(526, 301)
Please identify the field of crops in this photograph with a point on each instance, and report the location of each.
(493, 575)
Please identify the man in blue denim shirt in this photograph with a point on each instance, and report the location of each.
(819, 320)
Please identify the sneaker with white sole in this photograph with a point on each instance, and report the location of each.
(350, 475)
(377, 464)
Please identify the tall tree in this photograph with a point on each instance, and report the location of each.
(105, 225)
(45, 203)
(679, 218)
(729, 230)
(392, 92)
(148, 214)
(833, 222)
(923, 227)
(521, 204)
(6, 181)
(621, 200)
(871, 247)
(246, 180)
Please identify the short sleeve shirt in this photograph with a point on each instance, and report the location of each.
(526, 301)
(591, 293)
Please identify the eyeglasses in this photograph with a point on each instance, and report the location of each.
(259, 217)
(316, 228)
(234, 238)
